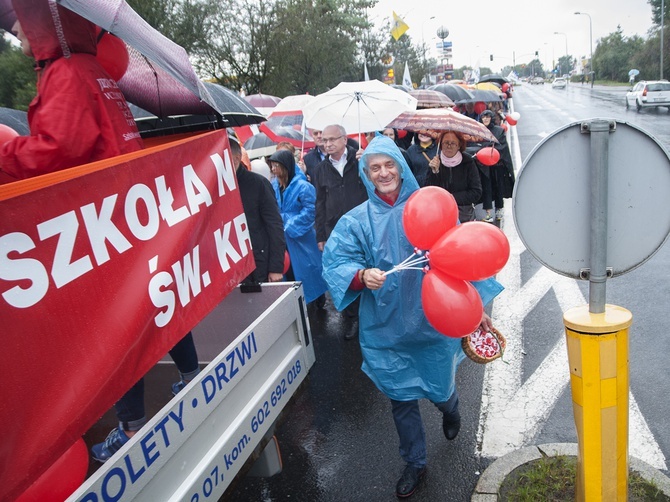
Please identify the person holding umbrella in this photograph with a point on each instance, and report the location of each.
(339, 189)
(456, 171)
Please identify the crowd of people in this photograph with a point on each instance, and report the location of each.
(336, 209)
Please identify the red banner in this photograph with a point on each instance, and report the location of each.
(100, 275)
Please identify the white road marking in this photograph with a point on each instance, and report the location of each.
(513, 412)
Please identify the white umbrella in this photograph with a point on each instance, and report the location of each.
(358, 106)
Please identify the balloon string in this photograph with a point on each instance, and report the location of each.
(408, 264)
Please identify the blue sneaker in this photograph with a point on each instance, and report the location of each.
(102, 452)
(177, 387)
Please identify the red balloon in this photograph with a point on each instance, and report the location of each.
(488, 156)
(505, 87)
(480, 106)
(504, 126)
(452, 306)
(472, 251)
(112, 55)
(7, 134)
(511, 121)
(62, 478)
(287, 262)
(428, 214)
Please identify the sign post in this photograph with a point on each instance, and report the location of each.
(597, 230)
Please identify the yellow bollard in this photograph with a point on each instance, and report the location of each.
(598, 358)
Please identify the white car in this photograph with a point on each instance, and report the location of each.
(650, 93)
(559, 83)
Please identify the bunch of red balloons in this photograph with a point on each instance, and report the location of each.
(457, 254)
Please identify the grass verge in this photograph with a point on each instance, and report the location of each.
(552, 479)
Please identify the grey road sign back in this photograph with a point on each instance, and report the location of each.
(551, 201)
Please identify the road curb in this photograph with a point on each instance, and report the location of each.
(492, 478)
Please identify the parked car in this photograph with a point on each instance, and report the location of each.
(537, 80)
(649, 93)
(559, 83)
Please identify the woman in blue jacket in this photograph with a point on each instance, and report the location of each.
(297, 198)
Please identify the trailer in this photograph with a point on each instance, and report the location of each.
(261, 351)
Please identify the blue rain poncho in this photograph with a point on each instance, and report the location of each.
(297, 208)
(403, 354)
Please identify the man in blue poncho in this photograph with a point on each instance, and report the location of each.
(403, 354)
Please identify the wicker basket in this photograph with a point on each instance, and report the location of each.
(472, 354)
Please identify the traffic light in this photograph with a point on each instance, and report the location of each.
(536, 53)
(491, 57)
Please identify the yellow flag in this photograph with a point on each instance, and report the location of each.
(398, 27)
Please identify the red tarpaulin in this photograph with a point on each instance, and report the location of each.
(100, 275)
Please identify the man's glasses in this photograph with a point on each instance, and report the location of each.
(331, 140)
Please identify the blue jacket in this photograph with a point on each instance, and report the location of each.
(296, 205)
(403, 354)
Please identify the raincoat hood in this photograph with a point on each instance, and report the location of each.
(285, 158)
(54, 31)
(382, 145)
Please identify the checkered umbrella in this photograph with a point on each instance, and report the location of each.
(431, 99)
(436, 120)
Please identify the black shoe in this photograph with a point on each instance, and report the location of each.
(409, 481)
(451, 424)
(351, 330)
(320, 302)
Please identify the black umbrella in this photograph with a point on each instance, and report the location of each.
(259, 145)
(494, 77)
(236, 110)
(482, 95)
(454, 91)
(16, 119)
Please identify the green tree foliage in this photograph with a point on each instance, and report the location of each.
(656, 12)
(316, 44)
(17, 85)
(613, 55)
(283, 46)
(182, 21)
(566, 64)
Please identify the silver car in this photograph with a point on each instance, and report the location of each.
(559, 83)
(650, 93)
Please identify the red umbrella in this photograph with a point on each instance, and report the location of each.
(432, 121)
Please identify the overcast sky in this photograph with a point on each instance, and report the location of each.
(479, 28)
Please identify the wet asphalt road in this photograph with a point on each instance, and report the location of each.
(339, 442)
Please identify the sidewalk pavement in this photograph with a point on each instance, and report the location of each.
(492, 478)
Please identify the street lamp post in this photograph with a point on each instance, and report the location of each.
(423, 45)
(662, 24)
(593, 74)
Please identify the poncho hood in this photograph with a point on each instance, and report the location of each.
(386, 146)
(285, 158)
(54, 31)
